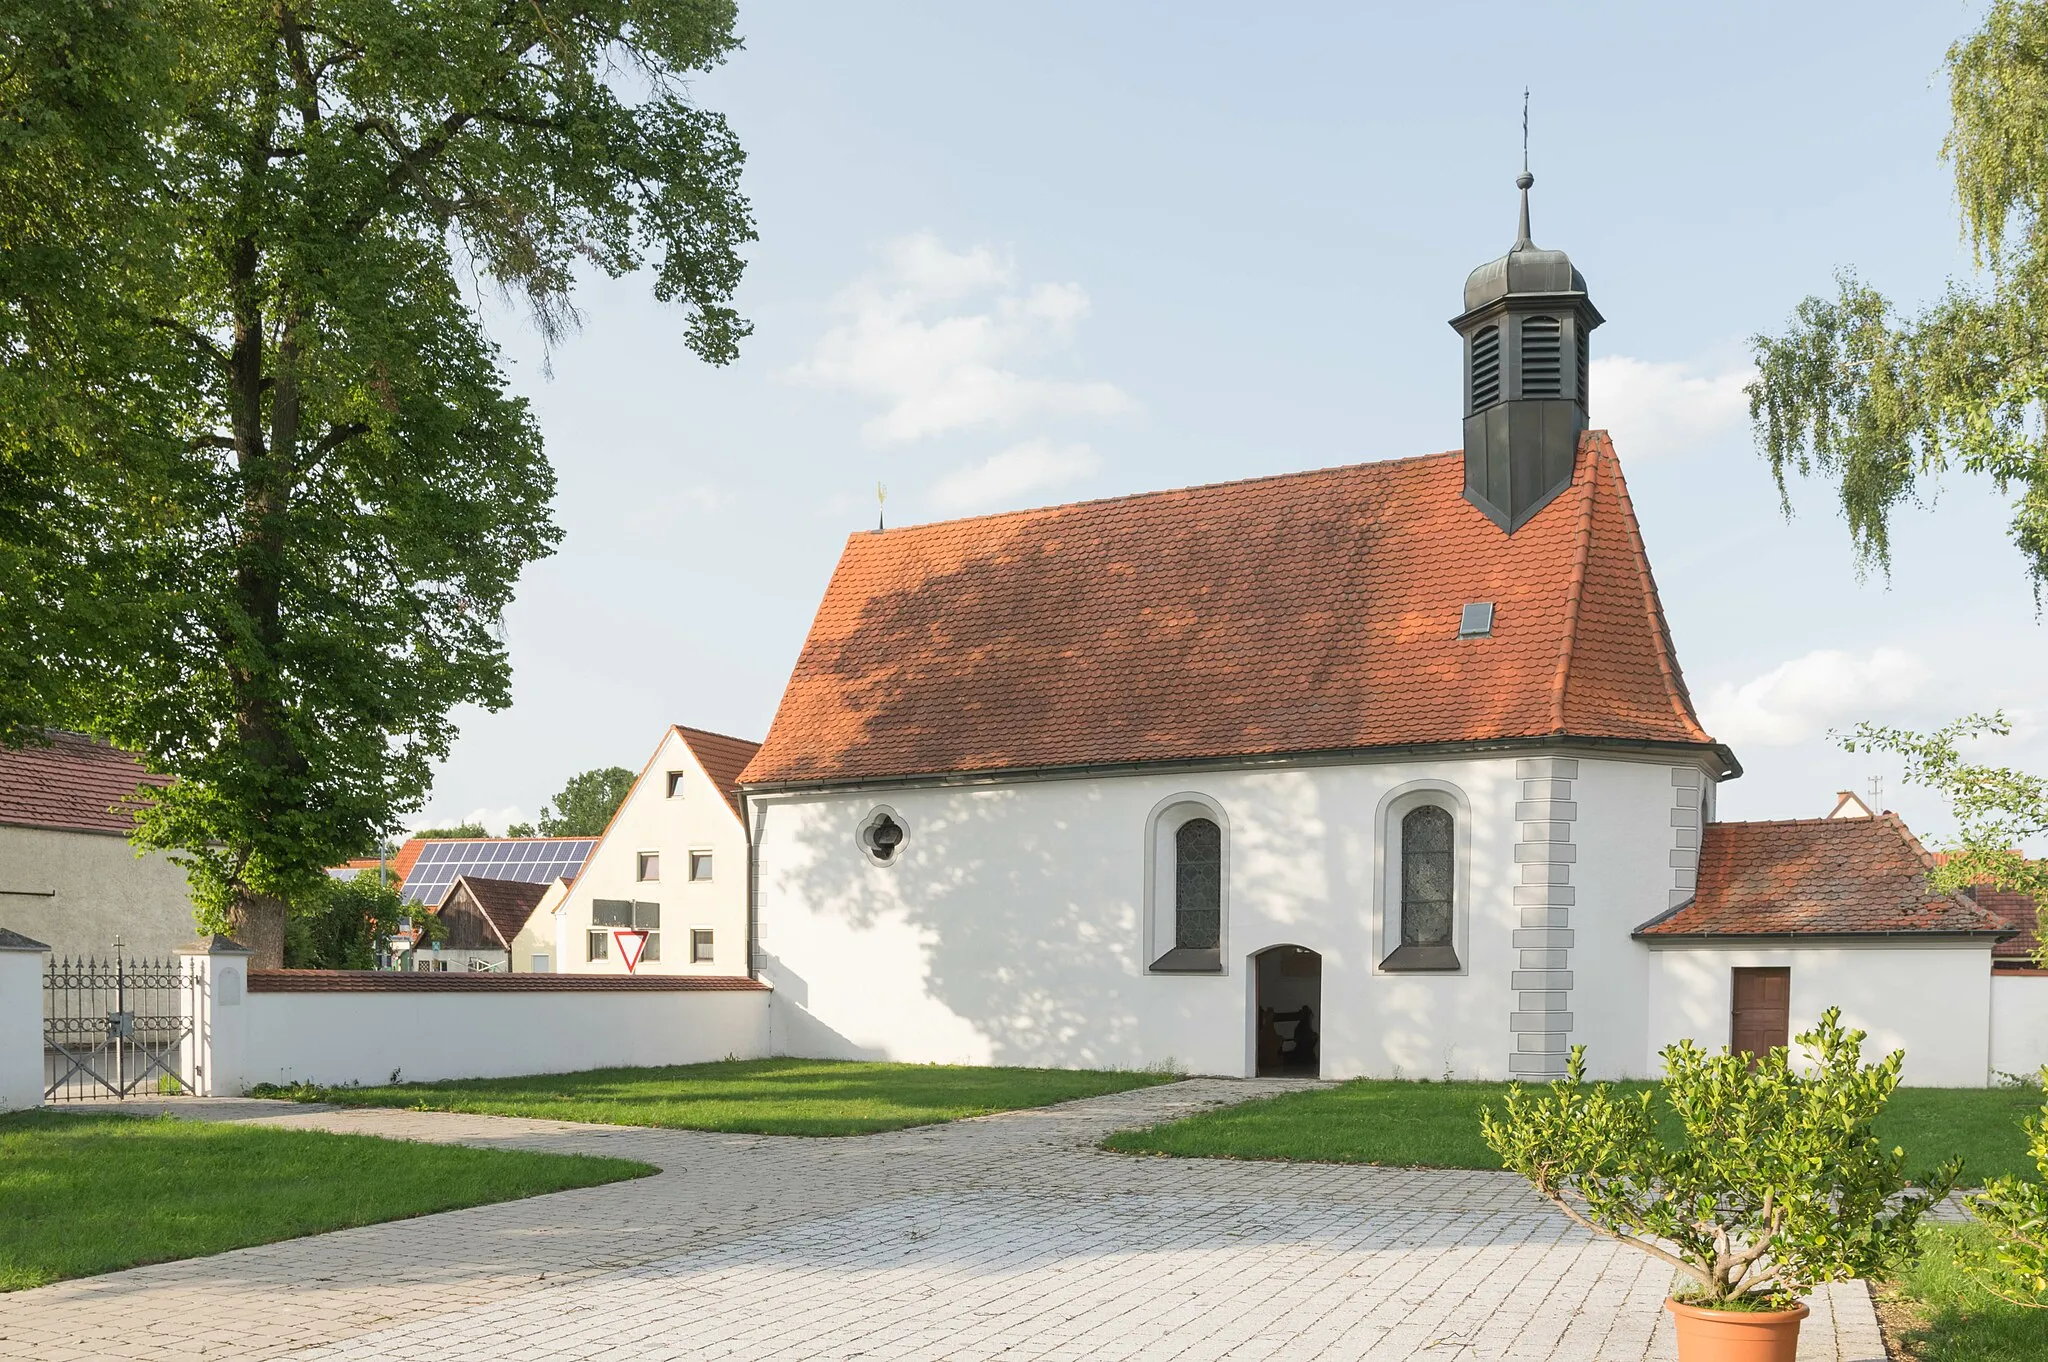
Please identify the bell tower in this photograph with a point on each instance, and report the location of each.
(1525, 328)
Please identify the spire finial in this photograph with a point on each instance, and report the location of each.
(1525, 179)
(881, 507)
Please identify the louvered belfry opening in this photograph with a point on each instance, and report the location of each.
(1526, 322)
(1485, 368)
(1542, 364)
(1584, 363)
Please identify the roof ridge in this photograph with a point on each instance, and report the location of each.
(1574, 595)
(1157, 492)
(1653, 603)
(714, 733)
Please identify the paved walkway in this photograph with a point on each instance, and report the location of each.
(1008, 1237)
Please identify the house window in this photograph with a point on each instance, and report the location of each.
(1420, 921)
(1185, 887)
(540, 964)
(675, 784)
(649, 866)
(597, 945)
(608, 914)
(700, 946)
(700, 865)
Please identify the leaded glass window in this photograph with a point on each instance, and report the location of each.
(1427, 859)
(1198, 885)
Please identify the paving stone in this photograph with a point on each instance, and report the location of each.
(1007, 1237)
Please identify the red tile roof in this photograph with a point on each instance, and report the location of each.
(2015, 911)
(1818, 877)
(1309, 612)
(434, 981)
(723, 758)
(74, 784)
(507, 904)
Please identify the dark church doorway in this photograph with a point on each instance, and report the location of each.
(1287, 1011)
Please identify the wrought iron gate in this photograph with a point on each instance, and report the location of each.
(116, 1027)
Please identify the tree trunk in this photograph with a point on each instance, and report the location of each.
(258, 923)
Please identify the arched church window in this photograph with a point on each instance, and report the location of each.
(1428, 865)
(1198, 885)
(1542, 357)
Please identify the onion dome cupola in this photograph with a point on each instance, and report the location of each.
(1525, 327)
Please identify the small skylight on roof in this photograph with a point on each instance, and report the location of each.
(1477, 621)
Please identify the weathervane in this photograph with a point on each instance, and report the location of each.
(881, 506)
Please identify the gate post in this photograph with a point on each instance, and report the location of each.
(217, 1034)
(21, 1021)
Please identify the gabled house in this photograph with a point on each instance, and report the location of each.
(1387, 769)
(68, 876)
(672, 863)
(491, 926)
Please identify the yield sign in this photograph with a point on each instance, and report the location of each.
(631, 944)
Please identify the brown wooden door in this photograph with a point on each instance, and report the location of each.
(1762, 1014)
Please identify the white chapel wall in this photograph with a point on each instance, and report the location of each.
(1012, 928)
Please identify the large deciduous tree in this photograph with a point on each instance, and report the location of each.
(587, 802)
(1884, 402)
(267, 494)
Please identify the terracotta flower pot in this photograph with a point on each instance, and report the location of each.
(1736, 1335)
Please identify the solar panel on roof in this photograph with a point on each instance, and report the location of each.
(532, 861)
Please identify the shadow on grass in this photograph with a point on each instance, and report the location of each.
(753, 1096)
(1436, 1125)
(86, 1193)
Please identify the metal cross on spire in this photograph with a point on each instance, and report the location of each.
(1525, 179)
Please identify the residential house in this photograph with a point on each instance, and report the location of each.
(489, 927)
(68, 875)
(672, 864)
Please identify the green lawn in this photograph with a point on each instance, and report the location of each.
(1436, 1125)
(1933, 1312)
(754, 1096)
(82, 1193)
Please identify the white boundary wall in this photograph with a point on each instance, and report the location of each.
(2019, 1023)
(264, 1033)
(21, 1022)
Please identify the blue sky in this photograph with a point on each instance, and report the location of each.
(1023, 255)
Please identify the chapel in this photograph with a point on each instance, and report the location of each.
(1383, 769)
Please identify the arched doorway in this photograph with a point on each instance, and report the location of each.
(1287, 1011)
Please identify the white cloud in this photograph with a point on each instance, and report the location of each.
(1803, 698)
(493, 821)
(1655, 408)
(1029, 467)
(937, 337)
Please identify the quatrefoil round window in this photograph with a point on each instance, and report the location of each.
(882, 836)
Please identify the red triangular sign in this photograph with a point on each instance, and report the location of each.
(631, 944)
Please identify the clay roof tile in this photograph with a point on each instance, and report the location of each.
(1308, 612)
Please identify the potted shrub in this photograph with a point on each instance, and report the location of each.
(1755, 1180)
